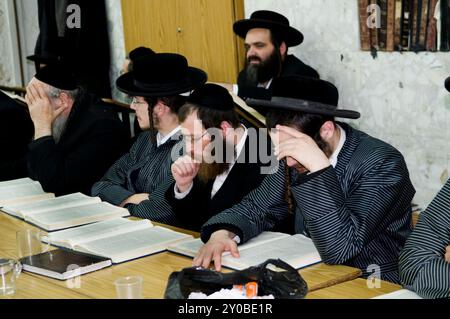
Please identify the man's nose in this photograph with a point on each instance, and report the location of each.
(250, 52)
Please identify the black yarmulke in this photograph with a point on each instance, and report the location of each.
(58, 76)
(212, 96)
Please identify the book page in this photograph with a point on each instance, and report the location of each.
(25, 200)
(191, 248)
(75, 216)
(400, 294)
(11, 193)
(83, 234)
(72, 200)
(16, 182)
(133, 244)
(298, 251)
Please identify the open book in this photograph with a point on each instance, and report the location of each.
(119, 239)
(297, 250)
(21, 191)
(400, 294)
(65, 211)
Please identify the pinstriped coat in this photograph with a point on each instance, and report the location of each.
(357, 214)
(422, 264)
(145, 169)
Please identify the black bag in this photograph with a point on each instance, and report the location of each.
(284, 284)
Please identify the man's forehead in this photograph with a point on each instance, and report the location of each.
(257, 35)
(37, 82)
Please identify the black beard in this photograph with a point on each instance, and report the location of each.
(209, 171)
(263, 72)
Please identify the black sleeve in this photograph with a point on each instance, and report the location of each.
(62, 172)
(191, 211)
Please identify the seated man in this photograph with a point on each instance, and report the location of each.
(139, 180)
(16, 131)
(268, 36)
(349, 192)
(425, 260)
(206, 185)
(76, 137)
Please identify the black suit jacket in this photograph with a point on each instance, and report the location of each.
(16, 131)
(93, 140)
(198, 206)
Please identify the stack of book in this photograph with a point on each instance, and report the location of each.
(404, 25)
(93, 235)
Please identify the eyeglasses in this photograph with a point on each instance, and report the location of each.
(191, 140)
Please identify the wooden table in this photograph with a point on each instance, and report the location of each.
(355, 289)
(154, 269)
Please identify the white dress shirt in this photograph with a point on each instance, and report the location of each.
(220, 179)
(343, 138)
(236, 87)
(160, 139)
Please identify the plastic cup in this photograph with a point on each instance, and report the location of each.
(129, 287)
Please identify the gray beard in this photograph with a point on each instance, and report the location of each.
(58, 128)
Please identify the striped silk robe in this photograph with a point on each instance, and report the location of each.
(422, 264)
(357, 214)
(145, 169)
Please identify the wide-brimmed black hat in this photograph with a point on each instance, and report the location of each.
(58, 75)
(273, 21)
(212, 96)
(447, 84)
(306, 95)
(159, 75)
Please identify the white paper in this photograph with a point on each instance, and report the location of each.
(400, 294)
(75, 216)
(298, 251)
(84, 234)
(72, 200)
(133, 244)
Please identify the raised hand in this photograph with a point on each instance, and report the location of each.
(184, 170)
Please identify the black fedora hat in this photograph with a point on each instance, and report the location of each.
(212, 96)
(273, 21)
(306, 95)
(447, 84)
(161, 74)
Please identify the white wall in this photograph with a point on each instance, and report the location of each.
(8, 73)
(117, 40)
(401, 96)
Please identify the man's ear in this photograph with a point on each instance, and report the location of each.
(161, 108)
(327, 130)
(225, 127)
(66, 100)
(283, 49)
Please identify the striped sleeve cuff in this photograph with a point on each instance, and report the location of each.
(237, 225)
(319, 194)
(115, 195)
